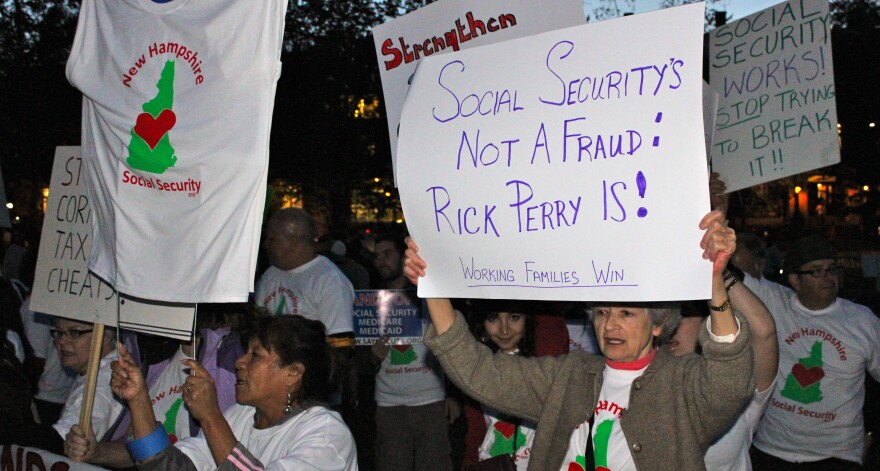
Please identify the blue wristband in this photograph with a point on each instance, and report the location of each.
(147, 447)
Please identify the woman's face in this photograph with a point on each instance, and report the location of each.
(74, 352)
(260, 381)
(624, 333)
(505, 329)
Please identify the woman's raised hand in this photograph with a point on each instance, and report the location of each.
(413, 265)
(126, 381)
(719, 241)
(199, 391)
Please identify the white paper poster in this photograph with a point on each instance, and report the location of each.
(63, 285)
(452, 25)
(777, 115)
(566, 165)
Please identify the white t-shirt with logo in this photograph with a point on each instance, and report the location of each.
(106, 408)
(409, 376)
(499, 439)
(177, 108)
(314, 439)
(610, 449)
(815, 411)
(317, 290)
(166, 395)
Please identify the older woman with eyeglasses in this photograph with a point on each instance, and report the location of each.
(638, 408)
(73, 339)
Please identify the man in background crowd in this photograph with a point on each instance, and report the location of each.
(814, 420)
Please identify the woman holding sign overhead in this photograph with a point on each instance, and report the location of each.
(278, 423)
(639, 407)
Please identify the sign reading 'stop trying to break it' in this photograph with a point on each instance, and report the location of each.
(565, 165)
(774, 73)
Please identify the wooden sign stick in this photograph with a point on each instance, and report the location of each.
(85, 414)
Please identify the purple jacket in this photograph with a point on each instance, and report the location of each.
(218, 351)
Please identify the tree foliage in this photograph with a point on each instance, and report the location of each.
(329, 65)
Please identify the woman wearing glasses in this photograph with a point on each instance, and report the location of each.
(73, 339)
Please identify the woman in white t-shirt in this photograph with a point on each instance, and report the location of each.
(278, 423)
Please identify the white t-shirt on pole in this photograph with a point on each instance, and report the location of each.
(177, 108)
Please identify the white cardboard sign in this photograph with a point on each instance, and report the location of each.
(451, 25)
(566, 165)
(63, 285)
(775, 77)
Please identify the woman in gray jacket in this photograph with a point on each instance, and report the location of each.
(636, 408)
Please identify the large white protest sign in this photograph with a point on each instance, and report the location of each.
(451, 25)
(566, 165)
(777, 116)
(63, 285)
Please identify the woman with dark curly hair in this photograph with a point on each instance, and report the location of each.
(280, 421)
(506, 326)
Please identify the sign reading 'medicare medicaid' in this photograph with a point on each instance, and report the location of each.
(565, 165)
(452, 25)
(775, 76)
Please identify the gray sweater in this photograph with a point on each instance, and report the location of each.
(676, 409)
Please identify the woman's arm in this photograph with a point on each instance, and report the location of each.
(200, 396)
(718, 244)
(763, 329)
(512, 384)
(127, 382)
(87, 449)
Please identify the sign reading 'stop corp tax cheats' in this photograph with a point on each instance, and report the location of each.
(63, 285)
(777, 115)
(565, 165)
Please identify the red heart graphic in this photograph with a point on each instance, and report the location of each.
(575, 467)
(807, 376)
(152, 129)
(401, 348)
(602, 468)
(505, 428)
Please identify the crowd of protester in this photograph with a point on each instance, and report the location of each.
(766, 375)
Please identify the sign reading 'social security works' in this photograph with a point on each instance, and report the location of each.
(453, 25)
(775, 76)
(554, 167)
